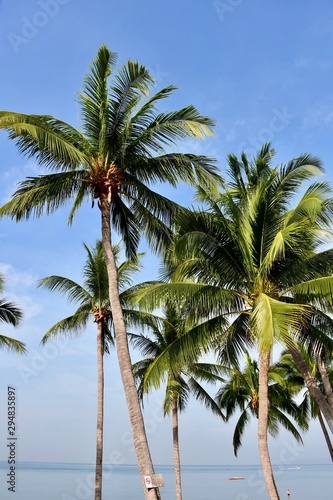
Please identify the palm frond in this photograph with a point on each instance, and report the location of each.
(10, 312)
(132, 82)
(317, 291)
(95, 101)
(204, 397)
(168, 128)
(76, 293)
(272, 319)
(71, 326)
(126, 225)
(44, 193)
(242, 422)
(276, 416)
(127, 271)
(237, 338)
(12, 344)
(54, 143)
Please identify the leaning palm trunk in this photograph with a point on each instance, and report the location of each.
(325, 380)
(176, 454)
(263, 426)
(311, 384)
(100, 413)
(124, 359)
(326, 435)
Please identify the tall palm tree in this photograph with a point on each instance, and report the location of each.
(181, 378)
(10, 313)
(123, 150)
(258, 261)
(93, 302)
(241, 391)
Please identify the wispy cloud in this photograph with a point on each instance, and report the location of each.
(18, 285)
(321, 115)
(309, 63)
(15, 174)
(233, 132)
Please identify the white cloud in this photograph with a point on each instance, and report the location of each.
(15, 279)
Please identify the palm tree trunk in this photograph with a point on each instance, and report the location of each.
(125, 364)
(176, 454)
(100, 413)
(326, 435)
(264, 358)
(311, 384)
(325, 380)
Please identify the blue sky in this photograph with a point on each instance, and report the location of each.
(263, 70)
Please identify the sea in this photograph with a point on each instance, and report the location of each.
(64, 481)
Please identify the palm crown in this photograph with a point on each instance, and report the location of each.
(121, 150)
(92, 297)
(242, 391)
(255, 257)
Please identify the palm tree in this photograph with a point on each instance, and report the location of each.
(181, 378)
(259, 262)
(123, 150)
(241, 391)
(293, 375)
(93, 303)
(316, 341)
(10, 313)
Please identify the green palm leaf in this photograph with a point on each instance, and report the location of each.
(272, 319)
(12, 344)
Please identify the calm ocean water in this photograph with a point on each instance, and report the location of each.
(60, 481)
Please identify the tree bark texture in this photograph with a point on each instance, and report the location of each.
(325, 380)
(311, 384)
(100, 413)
(264, 358)
(176, 454)
(326, 435)
(124, 359)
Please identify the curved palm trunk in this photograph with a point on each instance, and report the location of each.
(100, 413)
(135, 414)
(176, 454)
(311, 384)
(327, 438)
(263, 426)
